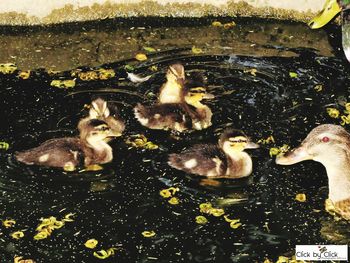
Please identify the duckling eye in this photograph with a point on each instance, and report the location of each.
(325, 139)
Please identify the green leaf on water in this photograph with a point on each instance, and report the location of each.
(149, 49)
(293, 74)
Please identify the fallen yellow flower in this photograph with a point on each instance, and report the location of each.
(24, 74)
(205, 207)
(196, 50)
(173, 201)
(91, 243)
(7, 68)
(63, 84)
(201, 220)
(4, 145)
(229, 25)
(8, 223)
(148, 233)
(333, 113)
(318, 88)
(300, 197)
(17, 235)
(216, 24)
(141, 57)
(103, 254)
(235, 224)
(217, 212)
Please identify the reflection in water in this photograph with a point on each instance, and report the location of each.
(117, 204)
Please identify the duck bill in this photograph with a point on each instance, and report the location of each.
(114, 134)
(294, 156)
(252, 145)
(208, 96)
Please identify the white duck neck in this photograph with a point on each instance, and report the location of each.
(339, 182)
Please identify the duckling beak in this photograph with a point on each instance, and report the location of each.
(252, 145)
(208, 96)
(294, 156)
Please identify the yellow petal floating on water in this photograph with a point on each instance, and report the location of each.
(17, 235)
(293, 74)
(41, 235)
(69, 168)
(93, 167)
(345, 119)
(267, 261)
(88, 75)
(330, 10)
(205, 207)
(8, 223)
(7, 68)
(173, 201)
(18, 259)
(217, 24)
(235, 224)
(217, 212)
(140, 141)
(24, 74)
(4, 146)
(300, 197)
(63, 84)
(165, 193)
(141, 57)
(153, 68)
(201, 220)
(318, 88)
(196, 50)
(282, 259)
(347, 107)
(68, 217)
(268, 140)
(91, 243)
(251, 71)
(148, 233)
(333, 113)
(104, 74)
(103, 254)
(229, 25)
(274, 151)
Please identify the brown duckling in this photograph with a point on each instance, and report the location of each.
(330, 145)
(227, 159)
(100, 110)
(172, 90)
(177, 116)
(87, 149)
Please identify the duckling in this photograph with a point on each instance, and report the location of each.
(100, 110)
(227, 159)
(177, 116)
(330, 145)
(87, 149)
(172, 90)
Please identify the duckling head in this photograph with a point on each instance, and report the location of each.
(234, 141)
(328, 144)
(99, 109)
(96, 131)
(176, 72)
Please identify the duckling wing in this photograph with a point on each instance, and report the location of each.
(201, 159)
(163, 116)
(54, 153)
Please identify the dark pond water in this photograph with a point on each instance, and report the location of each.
(117, 204)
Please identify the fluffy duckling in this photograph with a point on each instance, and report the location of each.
(330, 145)
(227, 159)
(100, 110)
(87, 149)
(177, 116)
(172, 90)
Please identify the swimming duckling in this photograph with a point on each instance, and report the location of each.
(100, 110)
(172, 90)
(330, 145)
(177, 116)
(87, 149)
(225, 160)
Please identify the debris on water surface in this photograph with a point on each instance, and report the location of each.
(8, 68)
(25, 74)
(153, 68)
(293, 74)
(91, 243)
(148, 233)
(18, 259)
(17, 235)
(47, 225)
(197, 50)
(4, 146)
(318, 88)
(141, 57)
(201, 220)
(150, 49)
(217, 24)
(137, 79)
(140, 141)
(92, 167)
(333, 113)
(169, 193)
(344, 115)
(98, 74)
(129, 67)
(8, 223)
(174, 201)
(103, 254)
(279, 150)
(63, 84)
(268, 140)
(251, 71)
(229, 25)
(300, 197)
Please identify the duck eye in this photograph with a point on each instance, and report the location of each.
(325, 139)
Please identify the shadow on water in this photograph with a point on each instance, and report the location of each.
(117, 204)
